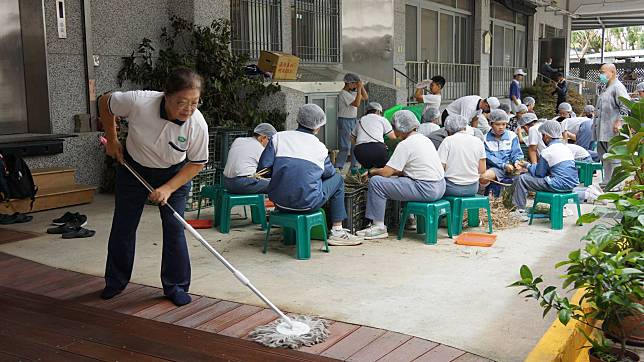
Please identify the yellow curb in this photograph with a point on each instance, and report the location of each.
(562, 343)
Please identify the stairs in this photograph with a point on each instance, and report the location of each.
(56, 188)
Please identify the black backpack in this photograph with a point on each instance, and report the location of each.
(16, 181)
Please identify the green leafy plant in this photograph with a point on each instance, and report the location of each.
(610, 286)
(609, 269)
(230, 98)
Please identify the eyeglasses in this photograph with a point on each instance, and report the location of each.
(191, 105)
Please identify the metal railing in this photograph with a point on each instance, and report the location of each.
(500, 78)
(588, 89)
(316, 35)
(255, 25)
(461, 79)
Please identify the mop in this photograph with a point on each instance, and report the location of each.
(288, 331)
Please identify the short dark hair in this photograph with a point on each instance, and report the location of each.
(372, 111)
(182, 79)
(440, 80)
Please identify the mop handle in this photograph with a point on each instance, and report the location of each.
(241, 277)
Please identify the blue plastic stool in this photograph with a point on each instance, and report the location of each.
(428, 215)
(297, 230)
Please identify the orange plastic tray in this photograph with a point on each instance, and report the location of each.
(476, 239)
(200, 224)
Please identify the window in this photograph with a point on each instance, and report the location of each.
(508, 36)
(255, 25)
(411, 38)
(442, 34)
(316, 35)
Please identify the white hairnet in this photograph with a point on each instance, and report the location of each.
(430, 114)
(374, 105)
(405, 121)
(526, 119)
(455, 123)
(640, 87)
(522, 108)
(589, 108)
(351, 78)
(265, 129)
(565, 106)
(551, 128)
(497, 115)
(311, 116)
(529, 101)
(493, 102)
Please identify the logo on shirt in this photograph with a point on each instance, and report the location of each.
(181, 139)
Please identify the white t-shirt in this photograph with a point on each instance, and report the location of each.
(426, 128)
(371, 128)
(431, 101)
(475, 132)
(417, 158)
(243, 157)
(461, 154)
(572, 124)
(579, 152)
(465, 106)
(534, 137)
(345, 109)
(154, 141)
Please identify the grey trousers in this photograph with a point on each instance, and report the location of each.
(609, 165)
(382, 189)
(525, 183)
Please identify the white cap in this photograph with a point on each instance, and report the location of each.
(519, 72)
(493, 102)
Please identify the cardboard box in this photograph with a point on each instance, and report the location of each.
(283, 66)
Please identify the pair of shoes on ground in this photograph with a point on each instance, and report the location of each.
(179, 298)
(343, 238)
(15, 218)
(70, 226)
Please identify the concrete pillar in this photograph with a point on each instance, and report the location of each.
(287, 28)
(400, 83)
(567, 23)
(481, 25)
(533, 45)
(201, 12)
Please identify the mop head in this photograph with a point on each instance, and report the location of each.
(307, 332)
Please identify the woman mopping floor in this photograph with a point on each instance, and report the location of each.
(165, 130)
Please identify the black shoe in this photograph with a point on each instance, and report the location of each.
(69, 217)
(180, 298)
(109, 293)
(15, 218)
(78, 232)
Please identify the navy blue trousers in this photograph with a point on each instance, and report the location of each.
(129, 202)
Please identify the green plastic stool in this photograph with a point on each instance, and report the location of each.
(472, 204)
(587, 170)
(298, 227)
(428, 215)
(213, 192)
(317, 232)
(556, 202)
(228, 201)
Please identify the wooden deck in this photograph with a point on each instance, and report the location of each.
(53, 314)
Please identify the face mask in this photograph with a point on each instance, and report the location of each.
(603, 79)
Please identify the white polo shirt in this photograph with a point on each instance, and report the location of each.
(578, 152)
(573, 124)
(461, 154)
(154, 141)
(534, 137)
(243, 157)
(345, 109)
(417, 158)
(371, 128)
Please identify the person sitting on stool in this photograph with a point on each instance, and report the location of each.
(370, 148)
(420, 175)
(502, 149)
(167, 144)
(242, 161)
(302, 177)
(555, 171)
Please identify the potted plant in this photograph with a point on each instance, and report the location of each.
(609, 268)
(609, 283)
